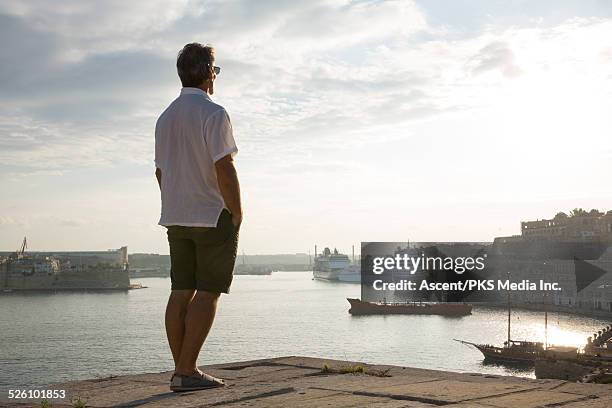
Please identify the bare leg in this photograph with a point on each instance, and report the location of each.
(175, 320)
(198, 321)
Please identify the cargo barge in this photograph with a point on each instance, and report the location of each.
(360, 307)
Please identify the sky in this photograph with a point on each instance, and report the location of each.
(355, 120)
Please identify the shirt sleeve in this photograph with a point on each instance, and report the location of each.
(220, 136)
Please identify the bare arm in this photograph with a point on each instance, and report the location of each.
(158, 176)
(229, 186)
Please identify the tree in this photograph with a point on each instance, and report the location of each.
(578, 212)
(560, 215)
(595, 212)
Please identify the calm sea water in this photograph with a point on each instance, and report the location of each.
(53, 337)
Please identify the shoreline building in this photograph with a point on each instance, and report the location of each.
(574, 250)
(80, 270)
(594, 226)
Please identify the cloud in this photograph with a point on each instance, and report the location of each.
(92, 87)
(70, 223)
(341, 23)
(495, 56)
(320, 87)
(9, 221)
(57, 147)
(87, 27)
(294, 74)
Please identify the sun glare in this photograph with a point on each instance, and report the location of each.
(559, 336)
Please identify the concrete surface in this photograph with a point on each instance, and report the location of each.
(302, 382)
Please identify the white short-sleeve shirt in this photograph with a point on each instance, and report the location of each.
(190, 136)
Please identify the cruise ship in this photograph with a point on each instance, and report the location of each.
(335, 267)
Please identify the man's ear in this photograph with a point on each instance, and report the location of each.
(208, 73)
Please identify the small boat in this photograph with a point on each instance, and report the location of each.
(513, 352)
(360, 307)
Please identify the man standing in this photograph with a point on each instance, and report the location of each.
(200, 206)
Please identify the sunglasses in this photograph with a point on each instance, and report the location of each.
(217, 70)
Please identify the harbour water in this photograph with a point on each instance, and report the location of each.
(51, 337)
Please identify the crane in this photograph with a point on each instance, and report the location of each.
(24, 245)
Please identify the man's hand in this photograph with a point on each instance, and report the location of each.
(236, 219)
(229, 186)
(158, 175)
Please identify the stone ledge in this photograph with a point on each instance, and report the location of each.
(304, 382)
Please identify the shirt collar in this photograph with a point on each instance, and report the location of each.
(194, 91)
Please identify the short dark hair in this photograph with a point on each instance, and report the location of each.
(194, 63)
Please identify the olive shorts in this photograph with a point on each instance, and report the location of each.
(203, 258)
